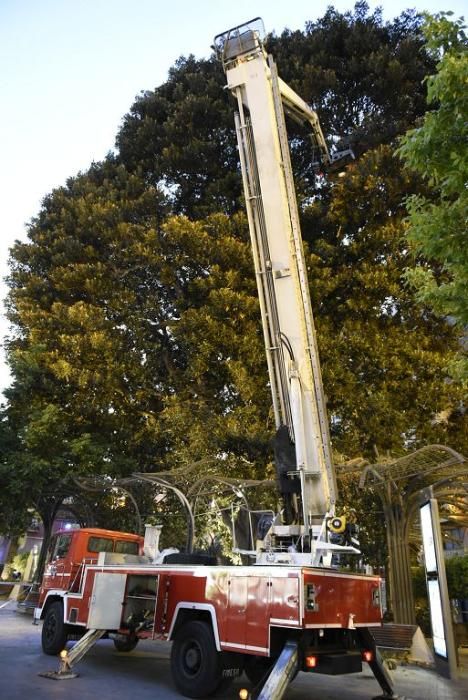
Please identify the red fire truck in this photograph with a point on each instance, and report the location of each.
(290, 609)
(222, 620)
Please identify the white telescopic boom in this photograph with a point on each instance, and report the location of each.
(288, 325)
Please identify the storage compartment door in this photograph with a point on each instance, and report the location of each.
(285, 601)
(237, 605)
(105, 610)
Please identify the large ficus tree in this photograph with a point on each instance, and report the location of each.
(384, 357)
(363, 76)
(84, 300)
(137, 340)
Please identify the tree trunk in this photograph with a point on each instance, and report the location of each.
(48, 512)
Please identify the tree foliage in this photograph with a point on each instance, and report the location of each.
(383, 356)
(14, 513)
(79, 364)
(438, 150)
(138, 345)
(363, 76)
(456, 569)
(137, 341)
(181, 137)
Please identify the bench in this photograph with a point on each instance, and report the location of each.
(403, 640)
(392, 636)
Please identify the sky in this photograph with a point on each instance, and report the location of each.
(71, 69)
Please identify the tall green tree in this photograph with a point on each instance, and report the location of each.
(14, 501)
(384, 356)
(181, 136)
(437, 149)
(362, 75)
(219, 406)
(83, 305)
(137, 341)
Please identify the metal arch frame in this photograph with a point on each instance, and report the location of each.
(386, 467)
(155, 479)
(85, 485)
(232, 483)
(163, 479)
(399, 492)
(235, 485)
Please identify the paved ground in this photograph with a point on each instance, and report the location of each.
(144, 673)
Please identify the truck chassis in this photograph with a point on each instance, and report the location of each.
(221, 620)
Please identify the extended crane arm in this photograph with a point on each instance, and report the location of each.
(303, 453)
(300, 111)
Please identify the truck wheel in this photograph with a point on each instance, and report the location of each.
(196, 665)
(54, 631)
(127, 644)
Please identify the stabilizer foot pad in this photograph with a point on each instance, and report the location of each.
(59, 675)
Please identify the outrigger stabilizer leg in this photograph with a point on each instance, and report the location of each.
(282, 673)
(76, 653)
(378, 668)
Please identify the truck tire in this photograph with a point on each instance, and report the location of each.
(127, 644)
(196, 665)
(54, 630)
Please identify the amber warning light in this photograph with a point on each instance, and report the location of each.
(368, 656)
(311, 661)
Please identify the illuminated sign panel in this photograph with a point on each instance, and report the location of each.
(428, 539)
(437, 620)
(433, 587)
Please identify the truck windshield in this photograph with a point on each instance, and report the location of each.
(62, 545)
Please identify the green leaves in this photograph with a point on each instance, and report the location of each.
(219, 394)
(181, 137)
(384, 357)
(363, 76)
(79, 297)
(137, 341)
(438, 150)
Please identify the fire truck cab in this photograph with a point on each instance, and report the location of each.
(70, 550)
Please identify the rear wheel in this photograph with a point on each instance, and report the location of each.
(54, 630)
(198, 669)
